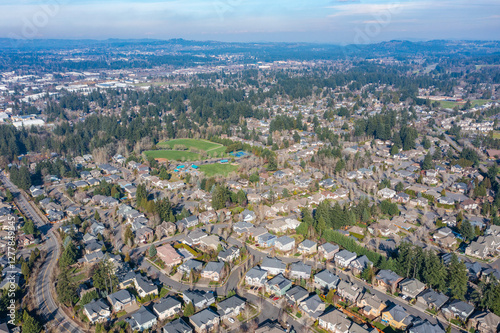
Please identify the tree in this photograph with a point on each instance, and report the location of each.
(367, 274)
(30, 324)
(129, 236)
(467, 231)
(68, 256)
(65, 289)
(220, 197)
(296, 137)
(152, 251)
(189, 309)
(127, 257)
(29, 228)
(97, 217)
(25, 270)
(104, 277)
(457, 278)
(399, 187)
(427, 163)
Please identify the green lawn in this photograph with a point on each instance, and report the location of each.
(77, 278)
(218, 169)
(191, 143)
(177, 155)
(451, 105)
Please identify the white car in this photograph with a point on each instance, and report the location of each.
(231, 320)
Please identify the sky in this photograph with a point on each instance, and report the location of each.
(316, 21)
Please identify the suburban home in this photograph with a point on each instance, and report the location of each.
(328, 250)
(256, 277)
(231, 307)
(359, 264)
(484, 322)
(313, 306)
(169, 255)
(386, 193)
(397, 317)
(296, 294)
(199, 298)
(247, 216)
(229, 255)
(278, 285)
(142, 319)
(177, 326)
(308, 247)
(370, 305)
(344, 258)
(195, 237)
(334, 321)
(97, 311)
(411, 287)
(326, 280)
(205, 321)
(273, 266)
(387, 280)
(425, 327)
(284, 243)
(266, 240)
(121, 300)
(432, 299)
(242, 227)
(144, 286)
(213, 270)
(189, 265)
(349, 291)
(457, 309)
(167, 307)
(188, 222)
(299, 270)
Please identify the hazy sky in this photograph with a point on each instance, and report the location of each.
(334, 21)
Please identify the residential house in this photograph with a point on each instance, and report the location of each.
(432, 299)
(328, 250)
(485, 322)
(190, 265)
(266, 240)
(386, 193)
(142, 319)
(177, 326)
(205, 321)
(387, 280)
(359, 264)
(425, 327)
(296, 294)
(167, 307)
(273, 266)
(411, 287)
(312, 306)
(278, 285)
(299, 270)
(326, 280)
(256, 277)
(213, 270)
(247, 216)
(199, 298)
(307, 247)
(334, 321)
(169, 255)
(145, 287)
(284, 243)
(194, 237)
(397, 317)
(349, 291)
(97, 311)
(231, 307)
(121, 300)
(229, 255)
(457, 309)
(370, 305)
(344, 258)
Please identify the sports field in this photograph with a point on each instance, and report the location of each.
(218, 169)
(194, 146)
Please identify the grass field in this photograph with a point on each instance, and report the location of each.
(451, 105)
(218, 169)
(212, 149)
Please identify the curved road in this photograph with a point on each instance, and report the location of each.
(47, 307)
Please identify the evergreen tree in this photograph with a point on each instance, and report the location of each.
(457, 278)
(30, 324)
(152, 251)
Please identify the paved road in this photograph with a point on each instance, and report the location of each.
(47, 307)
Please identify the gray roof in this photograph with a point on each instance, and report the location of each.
(328, 277)
(143, 316)
(197, 296)
(166, 304)
(300, 267)
(272, 263)
(329, 247)
(313, 303)
(285, 240)
(231, 303)
(214, 266)
(280, 281)
(203, 317)
(388, 276)
(398, 313)
(96, 306)
(177, 326)
(256, 272)
(297, 293)
(122, 296)
(308, 243)
(145, 284)
(425, 327)
(346, 255)
(432, 297)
